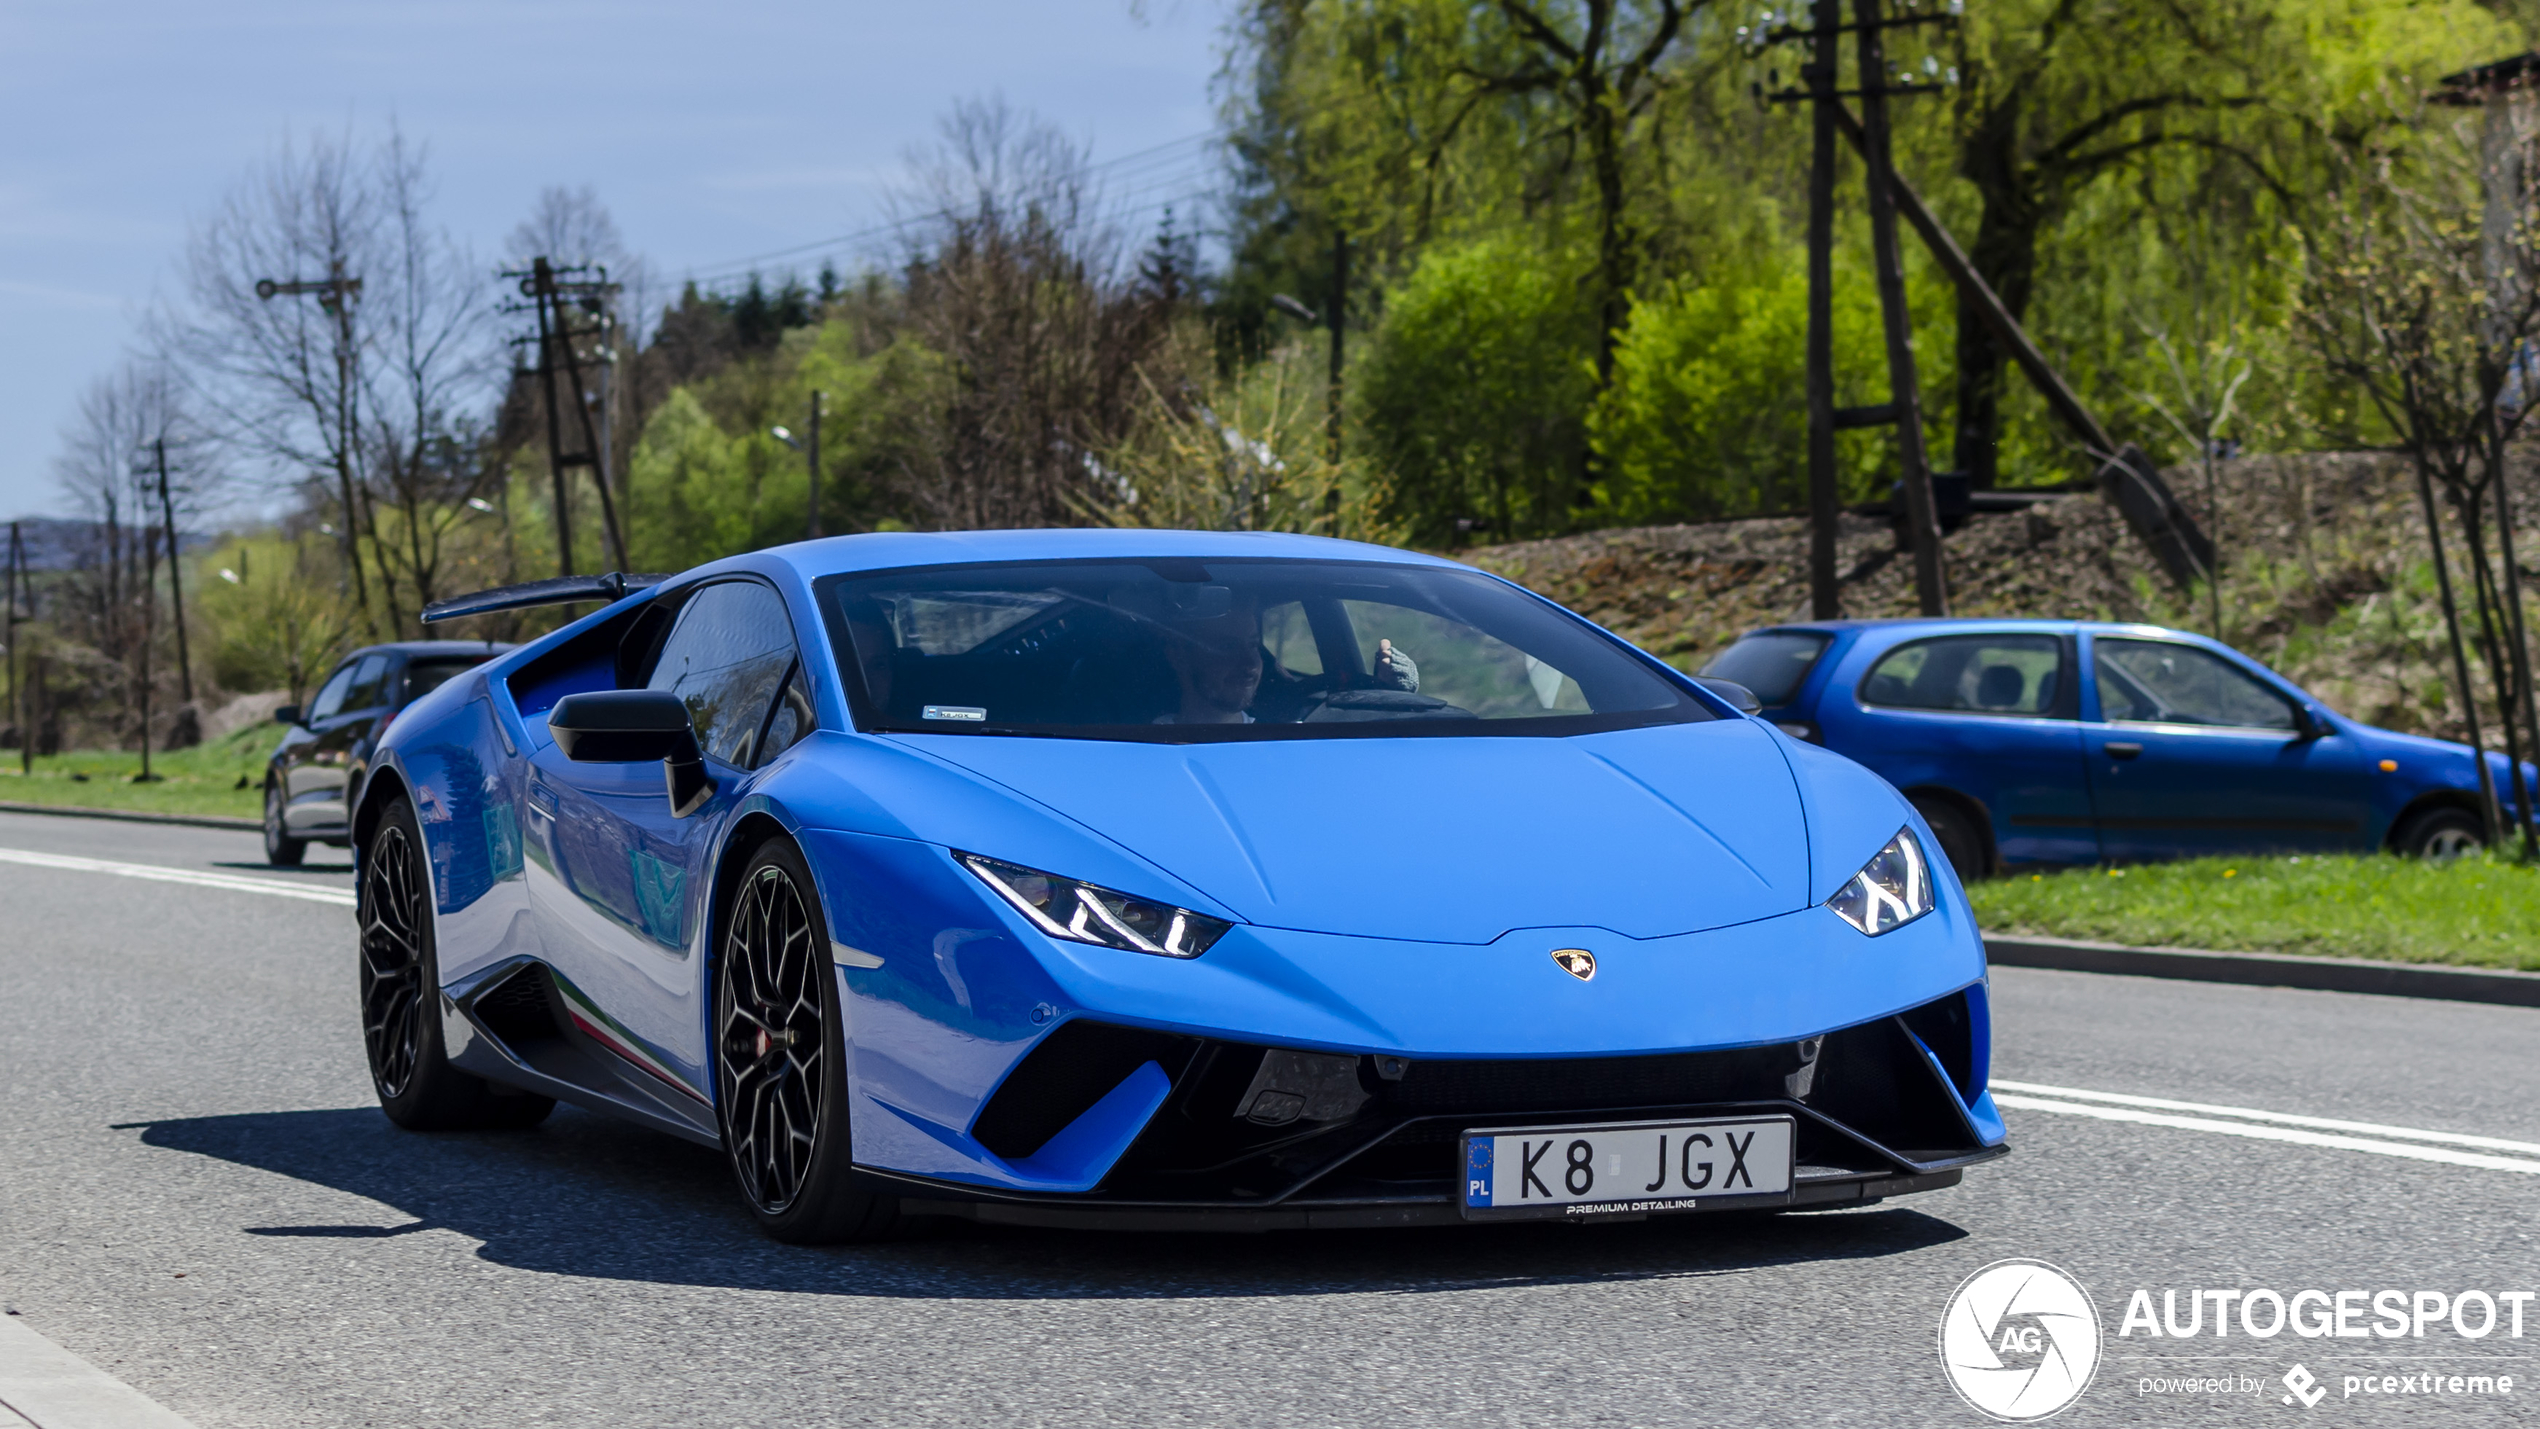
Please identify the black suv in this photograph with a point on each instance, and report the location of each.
(328, 745)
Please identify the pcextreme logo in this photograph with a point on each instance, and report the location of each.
(2020, 1340)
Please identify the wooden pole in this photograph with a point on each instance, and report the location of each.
(1922, 515)
(543, 280)
(1825, 597)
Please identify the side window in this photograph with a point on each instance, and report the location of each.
(1970, 674)
(724, 660)
(791, 720)
(329, 701)
(2154, 682)
(370, 684)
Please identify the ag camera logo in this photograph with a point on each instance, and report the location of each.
(2020, 1340)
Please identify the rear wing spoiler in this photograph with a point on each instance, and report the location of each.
(563, 590)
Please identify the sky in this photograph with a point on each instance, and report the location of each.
(714, 133)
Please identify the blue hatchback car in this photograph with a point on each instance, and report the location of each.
(2039, 742)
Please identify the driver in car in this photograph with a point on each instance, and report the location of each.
(1218, 661)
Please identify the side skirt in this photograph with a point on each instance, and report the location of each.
(511, 1023)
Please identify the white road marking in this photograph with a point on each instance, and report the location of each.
(2316, 1123)
(49, 1387)
(2293, 1135)
(311, 893)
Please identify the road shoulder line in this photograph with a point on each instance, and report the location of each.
(134, 816)
(51, 1388)
(2430, 980)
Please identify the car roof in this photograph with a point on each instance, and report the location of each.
(1916, 624)
(472, 649)
(889, 550)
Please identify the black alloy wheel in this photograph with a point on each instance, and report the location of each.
(401, 993)
(281, 850)
(780, 1073)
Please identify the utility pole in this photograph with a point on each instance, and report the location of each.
(1903, 408)
(542, 284)
(176, 575)
(1825, 595)
(18, 711)
(1922, 515)
(336, 293)
(149, 598)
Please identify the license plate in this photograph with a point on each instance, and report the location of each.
(1625, 1168)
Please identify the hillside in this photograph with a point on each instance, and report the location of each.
(2326, 577)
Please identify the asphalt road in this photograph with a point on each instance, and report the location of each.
(198, 1195)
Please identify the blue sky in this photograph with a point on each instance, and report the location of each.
(713, 132)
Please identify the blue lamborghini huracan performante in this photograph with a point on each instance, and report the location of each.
(1159, 879)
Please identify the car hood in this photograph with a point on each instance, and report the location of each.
(1645, 832)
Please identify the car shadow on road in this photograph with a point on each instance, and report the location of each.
(587, 1196)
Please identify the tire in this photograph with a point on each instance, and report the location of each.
(281, 850)
(401, 995)
(1963, 841)
(2440, 834)
(783, 1108)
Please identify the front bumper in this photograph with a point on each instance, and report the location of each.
(1246, 1137)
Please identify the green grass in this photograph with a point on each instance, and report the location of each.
(2478, 912)
(201, 780)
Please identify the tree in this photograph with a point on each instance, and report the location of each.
(2431, 314)
(1014, 281)
(432, 372)
(362, 380)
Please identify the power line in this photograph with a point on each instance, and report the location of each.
(1138, 164)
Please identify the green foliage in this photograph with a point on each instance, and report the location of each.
(206, 779)
(1475, 396)
(2473, 911)
(1246, 453)
(709, 479)
(274, 610)
(1708, 414)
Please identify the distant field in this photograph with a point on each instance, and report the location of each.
(2477, 912)
(201, 780)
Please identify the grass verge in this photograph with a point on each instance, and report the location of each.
(2474, 912)
(203, 780)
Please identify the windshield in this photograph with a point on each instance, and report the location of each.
(1772, 663)
(1184, 650)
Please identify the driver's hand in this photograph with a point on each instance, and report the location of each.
(1395, 669)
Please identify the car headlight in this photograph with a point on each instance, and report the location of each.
(1891, 890)
(1082, 913)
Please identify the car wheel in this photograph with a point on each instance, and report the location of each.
(2441, 834)
(1962, 839)
(281, 850)
(780, 1060)
(401, 993)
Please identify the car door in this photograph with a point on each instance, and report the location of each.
(1988, 715)
(620, 915)
(337, 719)
(2191, 754)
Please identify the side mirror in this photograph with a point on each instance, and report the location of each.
(2307, 724)
(633, 727)
(287, 714)
(1730, 690)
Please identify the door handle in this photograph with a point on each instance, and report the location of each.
(2122, 748)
